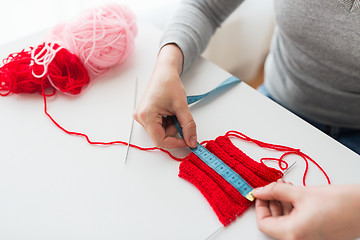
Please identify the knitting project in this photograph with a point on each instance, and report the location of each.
(225, 200)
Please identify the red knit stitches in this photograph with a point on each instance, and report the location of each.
(225, 200)
(261, 170)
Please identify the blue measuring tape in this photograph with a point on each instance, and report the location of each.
(209, 158)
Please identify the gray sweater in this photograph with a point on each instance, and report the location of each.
(313, 67)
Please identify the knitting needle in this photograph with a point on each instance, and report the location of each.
(132, 122)
(215, 233)
(289, 168)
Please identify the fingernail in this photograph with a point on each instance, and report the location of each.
(193, 141)
(257, 190)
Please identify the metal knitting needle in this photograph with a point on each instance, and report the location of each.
(132, 122)
(215, 233)
(289, 168)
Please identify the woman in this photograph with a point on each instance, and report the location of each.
(313, 70)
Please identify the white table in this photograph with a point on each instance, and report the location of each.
(56, 186)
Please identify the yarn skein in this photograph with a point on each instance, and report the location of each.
(73, 53)
(16, 74)
(48, 66)
(101, 37)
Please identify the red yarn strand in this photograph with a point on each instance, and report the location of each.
(20, 74)
(279, 160)
(48, 66)
(287, 150)
(103, 143)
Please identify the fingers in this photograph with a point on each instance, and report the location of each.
(162, 131)
(171, 131)
(188, 126)
(277, 191)
(286, 207)
(275, 208)
(160, 136)
(278, 208)
(272, 208)
(262, 209)
(267, 223)
(165, 95)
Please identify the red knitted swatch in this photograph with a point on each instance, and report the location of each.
(225, 200)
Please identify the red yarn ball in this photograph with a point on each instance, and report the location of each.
(65, 73)
(16, 74)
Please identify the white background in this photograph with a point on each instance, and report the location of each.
(23, 17)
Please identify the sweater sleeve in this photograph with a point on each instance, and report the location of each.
(193, 24)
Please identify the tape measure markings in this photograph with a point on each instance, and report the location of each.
(209, 158)
(223, 170)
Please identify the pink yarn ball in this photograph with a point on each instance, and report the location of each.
(101, 37)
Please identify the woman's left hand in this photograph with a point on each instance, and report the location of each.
(284, 211)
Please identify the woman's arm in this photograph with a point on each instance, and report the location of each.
(193, 24)
(165, 95)
(184, 39)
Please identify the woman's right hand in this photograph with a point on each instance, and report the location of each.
(165, 96)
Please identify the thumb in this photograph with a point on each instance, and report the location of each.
(277, 191)
(188, 126)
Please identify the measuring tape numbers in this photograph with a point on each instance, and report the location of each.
(209, 158)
